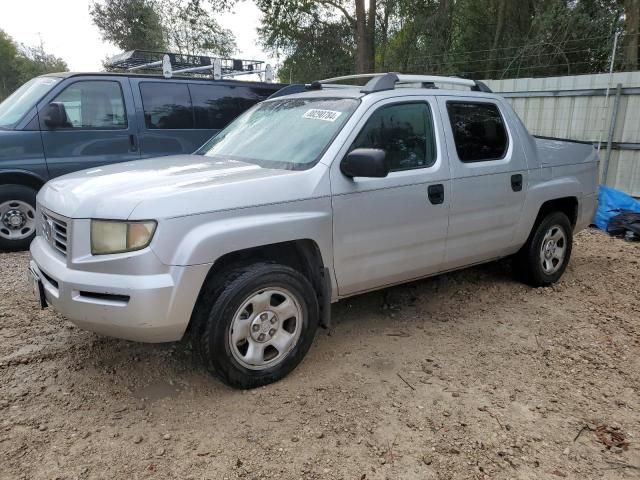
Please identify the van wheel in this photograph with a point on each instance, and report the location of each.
(545, 256)
(255, 325)
(17, 216)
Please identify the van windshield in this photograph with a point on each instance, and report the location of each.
(288, 133)
(16, 105)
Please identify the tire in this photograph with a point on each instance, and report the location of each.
(254, 324)
(17, 217)
(545, 256)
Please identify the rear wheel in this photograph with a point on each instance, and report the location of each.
(545, 257)
(255, 325)
(17, 216)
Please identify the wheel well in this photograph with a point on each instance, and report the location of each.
(566, 205)
(20, 178)
(301, 255)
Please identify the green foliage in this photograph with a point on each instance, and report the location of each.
(311, 38)
(129, 24)
(19, 63)
(319, 47)
(477, 38)
(190, 28)
(183, 26)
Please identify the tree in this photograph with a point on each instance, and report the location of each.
(129, 24)
(632, 33)
(19, 63)
(284, 19)
(191, 29)
(476, 38)
(183, 26)
(9, 70)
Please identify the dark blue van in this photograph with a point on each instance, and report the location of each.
(60, 123)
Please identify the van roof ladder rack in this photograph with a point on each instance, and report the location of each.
(388, 81)
(177, 63)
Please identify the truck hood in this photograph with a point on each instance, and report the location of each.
(168, 187)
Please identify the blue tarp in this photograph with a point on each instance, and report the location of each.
(610, 202)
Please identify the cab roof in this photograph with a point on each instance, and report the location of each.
(386, 85)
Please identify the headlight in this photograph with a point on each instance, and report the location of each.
(118, 237)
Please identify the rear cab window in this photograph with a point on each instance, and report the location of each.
(479, 131)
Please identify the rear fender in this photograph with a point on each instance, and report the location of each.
(540, 193)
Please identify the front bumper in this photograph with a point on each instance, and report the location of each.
(142, 307)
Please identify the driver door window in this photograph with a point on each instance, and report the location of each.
(93, 105)
(405, 132)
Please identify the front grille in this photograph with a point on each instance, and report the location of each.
(55, 231)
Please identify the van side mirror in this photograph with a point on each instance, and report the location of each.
(55, 115)
(365, 162)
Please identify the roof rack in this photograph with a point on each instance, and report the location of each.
(388, 81)
(178, 63)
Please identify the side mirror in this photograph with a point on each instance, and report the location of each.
(365, 162)
(55, 115)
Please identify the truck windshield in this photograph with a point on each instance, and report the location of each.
(288, 133)
(23, 99)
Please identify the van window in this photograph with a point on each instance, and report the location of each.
(478, 131)
(404, 132)
(166, 105)
(215, 106)
(93, 104)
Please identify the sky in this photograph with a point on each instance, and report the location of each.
(66, 30)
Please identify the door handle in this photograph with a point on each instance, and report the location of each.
(436, 194)
(133, 143)
(516, 182)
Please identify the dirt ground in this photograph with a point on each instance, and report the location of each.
(468, 375)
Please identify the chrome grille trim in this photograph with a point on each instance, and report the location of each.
(55, 230)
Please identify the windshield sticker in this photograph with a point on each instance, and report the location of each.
(318, 114)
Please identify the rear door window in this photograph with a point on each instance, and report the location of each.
(93, 104)
(478, 131)
(166, 105)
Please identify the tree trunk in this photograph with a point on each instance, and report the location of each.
(361, 37)
(632, 30)
(493, 55)
(384, 34)
(371, 37)
(365, 36)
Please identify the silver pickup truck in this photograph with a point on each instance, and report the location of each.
(304, 200)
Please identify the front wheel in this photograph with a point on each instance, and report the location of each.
(256, 324)
(545, 256)
(17, 216)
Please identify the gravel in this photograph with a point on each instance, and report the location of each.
(467, 375)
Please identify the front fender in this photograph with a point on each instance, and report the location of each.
(205, 238)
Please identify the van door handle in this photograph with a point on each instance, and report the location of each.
(133, 143)
(436, 194)
(516, 182)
